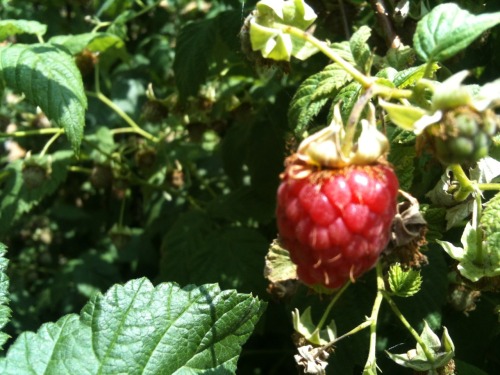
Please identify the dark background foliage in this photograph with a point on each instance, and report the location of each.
(198, 207)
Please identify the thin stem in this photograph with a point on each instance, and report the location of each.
(466, 185)
(123, 131)
(50, 142)
(137, 129)
(78, 169)
(27, 133)
(392, 40)
(345, 22)
(331, 54)
(356, 111)
(414, 333)
(329, 308)
(100, 25)
(356, 329)
(365, 81)
(489, 186)
(476, 215)
(371, 361)
(429, 69)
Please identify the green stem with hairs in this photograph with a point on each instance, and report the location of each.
(27, 133)
(466, 185)
(329, 308)
(405, 322)
(371, 361)
(489, 186)
(103, 98)
(358, 76)
(476, 215)
(50, 142)
(133, 125)
(78, 169)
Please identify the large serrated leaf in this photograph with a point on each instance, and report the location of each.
(490, 225)
(331, 79)
(49, 78)
(402, 157)
(348, 96)
(192, 53)
(141, 329)
(4, 295)
(448, 29)
(313, 94)
(13, 27)
(410, 76)
(360, 49)
(17, 199)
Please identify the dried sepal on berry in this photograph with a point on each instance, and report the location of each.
(326, 147)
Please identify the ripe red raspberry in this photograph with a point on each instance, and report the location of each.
(335, 222)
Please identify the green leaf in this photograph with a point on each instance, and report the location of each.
(312, 95)
(410, 76)
(400, 58)
(192, 54)
(470, 265)
(448, 29)
(360, 49)
(196, 250)
(403, 116)
(94, 42)
(402, 157)
(404, 283)
(303, 324)
(4, 295)
(435, 218)
(348, 95)
(490, 225)
(441, 351)
(141, 329)
(49, 78)
(17, 199)
(13, 27)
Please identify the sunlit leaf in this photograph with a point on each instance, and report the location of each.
(49, 78)
(448, 29)
(141, 329)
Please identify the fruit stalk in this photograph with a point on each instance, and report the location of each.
(371, 363)
(408, 326)
(329, 308)
(359, 77)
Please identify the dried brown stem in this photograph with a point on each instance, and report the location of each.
(392, 40)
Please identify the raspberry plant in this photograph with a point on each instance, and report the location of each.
(155, 150)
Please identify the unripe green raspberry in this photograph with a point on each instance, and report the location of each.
(463, 136)
(34, 175)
